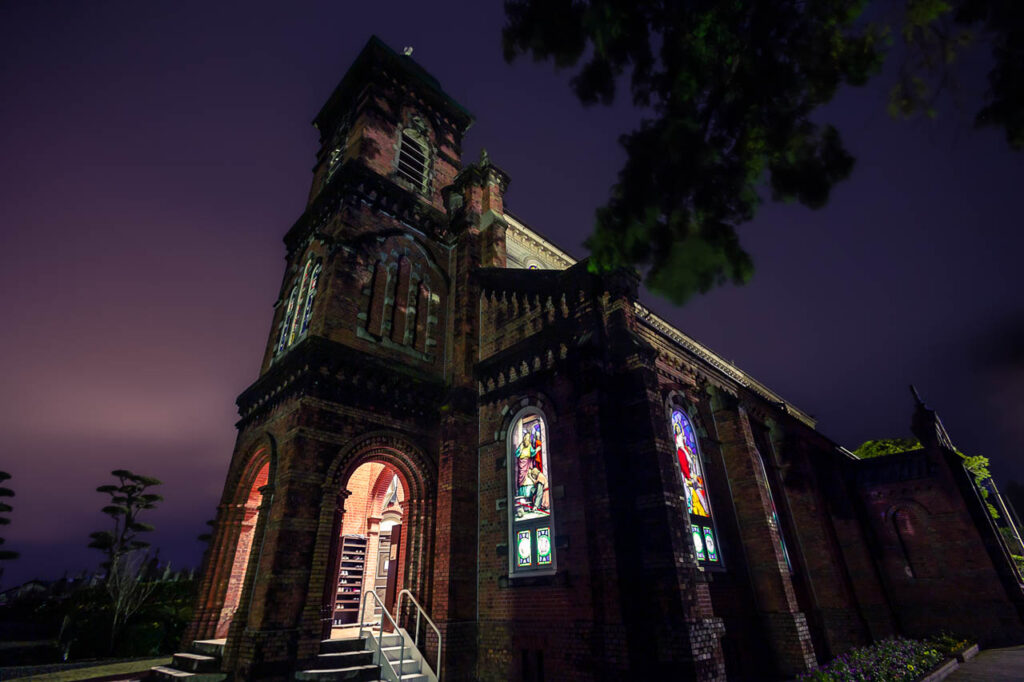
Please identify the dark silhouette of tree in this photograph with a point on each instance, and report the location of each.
(127, 581)
(730, 89)
(5, 492)
(128, 499)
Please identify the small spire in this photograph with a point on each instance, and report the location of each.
(407, 50)
(485, 160)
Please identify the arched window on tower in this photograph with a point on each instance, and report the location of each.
(295, 322)
(698, 504)
(531, 527)
(412, 159)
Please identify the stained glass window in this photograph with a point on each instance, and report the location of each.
(299, 309)
(543, 546)
(530, 494)
(774, 520)
(532, 488)
(698, 543)
(709, 544)
(524, 548)
(698, 504)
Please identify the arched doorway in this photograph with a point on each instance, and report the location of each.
(249, 513)
(371, 545)
(380, 487)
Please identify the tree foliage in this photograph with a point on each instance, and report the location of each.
(977, 465)
(729, 89)
(886, 446)
(128, 499)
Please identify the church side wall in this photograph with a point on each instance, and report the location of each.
(938, 570)
(625, 600)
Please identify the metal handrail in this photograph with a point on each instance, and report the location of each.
(416, 639)
(380, 640)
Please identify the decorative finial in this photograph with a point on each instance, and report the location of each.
(485, 160)
(407, 50)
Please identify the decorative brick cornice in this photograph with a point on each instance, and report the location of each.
(324, 369)
(354, 183)
(687, 343)
(519, 233)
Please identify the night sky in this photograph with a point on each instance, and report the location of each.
(152, 156)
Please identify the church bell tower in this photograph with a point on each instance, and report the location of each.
(369, 362)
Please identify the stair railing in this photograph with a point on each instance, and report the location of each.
(394, 677)
(420, 611)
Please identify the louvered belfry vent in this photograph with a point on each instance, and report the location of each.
(412, 161)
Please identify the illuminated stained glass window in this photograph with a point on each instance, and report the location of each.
(774, 520)
(543, 546)
(698, 503)
(299, 309)
(698, 543)
(709, 544)
(524, 548)
(529, 497)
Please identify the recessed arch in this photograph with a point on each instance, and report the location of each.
(417, 476)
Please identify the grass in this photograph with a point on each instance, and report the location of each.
(105, 670)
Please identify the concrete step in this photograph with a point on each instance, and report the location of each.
(393, 652)
(390, 639)
(161, 672)
(208, 647)
(357, 673)
(334, 646)
(409, 666)
(413, 677)
(343, 659)
(196, 663)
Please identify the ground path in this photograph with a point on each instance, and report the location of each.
(992, 665)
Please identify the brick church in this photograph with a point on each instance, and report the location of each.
(456, 425)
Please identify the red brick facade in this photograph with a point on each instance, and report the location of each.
(419, 349)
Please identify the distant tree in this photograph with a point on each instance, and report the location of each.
(730, 91)
(976, 464)
(128, 499)
(5, 492)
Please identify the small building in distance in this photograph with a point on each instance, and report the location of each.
(452, 410)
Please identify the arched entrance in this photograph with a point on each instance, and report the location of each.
(371, 543)
(380, 493)
(249, 512)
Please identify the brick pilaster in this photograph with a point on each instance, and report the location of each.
(784, 624)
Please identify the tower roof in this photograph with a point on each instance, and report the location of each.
(376, 57)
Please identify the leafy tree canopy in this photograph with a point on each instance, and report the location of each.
(730, 88)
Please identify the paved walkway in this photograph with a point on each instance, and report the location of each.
(992, 665)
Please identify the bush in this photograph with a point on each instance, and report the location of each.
(891, 660)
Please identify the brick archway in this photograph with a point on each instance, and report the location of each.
(418, 478)
(235, 531)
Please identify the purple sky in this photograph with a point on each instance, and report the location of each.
(152, 155)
